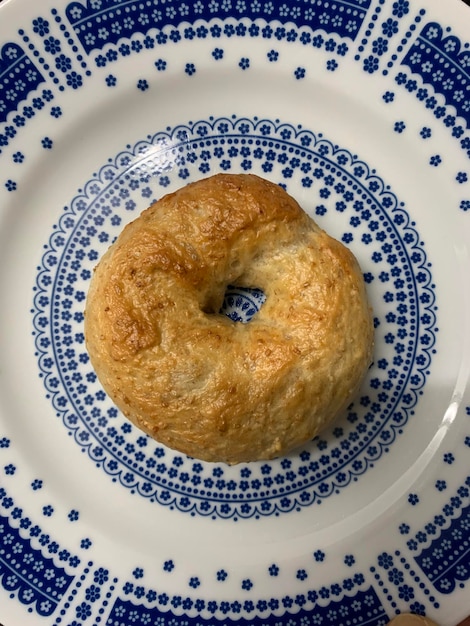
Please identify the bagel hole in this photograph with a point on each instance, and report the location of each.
(241, 304)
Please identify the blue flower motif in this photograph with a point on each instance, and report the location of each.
(461, 177)
(47, 510)
(229, 30)
(425, 132)
(149, 43)
(52, 45)
(151, 596)
(301, 574)
(330, 45)
(396, 576)
(371, 64)
(247, 584)
(413, 499)
(46, 143)
(63, 63)
(218, 54)
(418, 609)
(73, 515)
(112, 55)
(435, 160)
(18, 157)
(194, 582)
(168, 566)
(388, 97)
(10, 185)
(390, 27)
(465, 205)
(318, 41)
(190, 69)
(128, 588)
(74, 80)
(92, 593)
(19, 121)
(41, 26)
(379, 46)
(215, 31)
(399, 127)
(299, 73)
(136, 46)
(401, 78)
(406, 593)
(111, 80)
(56, 112)
(441, 485)
(101, 576)
(319, 556)
(273, 570)
(331, 65)
(385, 560)
(400, 8)
(83, 611)
(221, 575)
(449, 458)
(244, 63)
(10, 131)
(142, 84)
(273, 56)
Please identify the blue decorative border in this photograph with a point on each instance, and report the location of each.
(372, 216)
(61, 58)
(85, 28)
(444, 64)
(102, 22)
(25, 572)
(19, 76)
(37, 580)
(322, 607)
(445, 557)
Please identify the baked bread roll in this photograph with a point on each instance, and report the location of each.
(190, 377)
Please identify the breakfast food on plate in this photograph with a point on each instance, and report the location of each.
(192, 378)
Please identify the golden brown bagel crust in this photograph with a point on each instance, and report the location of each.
(190, 377)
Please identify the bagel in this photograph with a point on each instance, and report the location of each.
(192, 378)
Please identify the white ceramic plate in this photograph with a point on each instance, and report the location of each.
(361, 108)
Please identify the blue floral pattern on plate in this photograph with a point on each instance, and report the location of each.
(370, 214)
(50, 558)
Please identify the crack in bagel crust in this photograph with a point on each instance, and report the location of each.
(192, 378)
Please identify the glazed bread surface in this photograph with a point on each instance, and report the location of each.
(190, 377)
